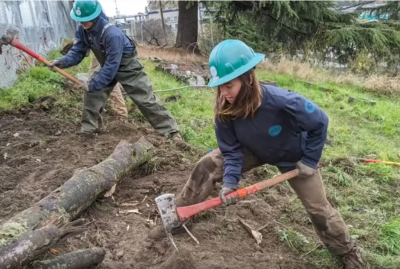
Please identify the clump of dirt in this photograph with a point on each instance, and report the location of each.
(178, 260)
(39, 152)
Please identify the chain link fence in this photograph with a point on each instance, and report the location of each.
(43, 26)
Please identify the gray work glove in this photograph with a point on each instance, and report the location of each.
(85, 87)
(304, 170)
(53, 63)
(224, 191)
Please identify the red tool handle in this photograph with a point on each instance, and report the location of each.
(377, 161)
(17, 44)
(186, 212)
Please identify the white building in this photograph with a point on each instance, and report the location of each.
(170, 17)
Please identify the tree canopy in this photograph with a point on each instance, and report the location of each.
(310, 26)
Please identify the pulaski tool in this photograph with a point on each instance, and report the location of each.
(9, 39)
(173, 216)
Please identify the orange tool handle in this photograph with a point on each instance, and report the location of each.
(186, 212)
(377, 161)
(17, 44)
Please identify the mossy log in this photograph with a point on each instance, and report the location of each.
(34, 243)
(80, 259)
(80, 191)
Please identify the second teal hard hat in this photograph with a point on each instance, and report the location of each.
(230, 59)
(84, 11)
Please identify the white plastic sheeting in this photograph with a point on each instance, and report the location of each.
(43, 25)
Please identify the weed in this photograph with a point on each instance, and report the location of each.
(390, 237)
(293, 239)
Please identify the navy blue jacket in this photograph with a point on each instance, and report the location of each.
(285, 129)
(115, 43)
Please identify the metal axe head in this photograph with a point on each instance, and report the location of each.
(167, 209)
(10, 34)
(12, 31)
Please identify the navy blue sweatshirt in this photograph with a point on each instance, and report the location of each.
(285, 129)
(115, 43)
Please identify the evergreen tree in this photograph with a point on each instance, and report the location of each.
(314, 27)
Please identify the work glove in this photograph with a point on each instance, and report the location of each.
(85, 87)
(304, 170)
(53, 63)
(224, 191)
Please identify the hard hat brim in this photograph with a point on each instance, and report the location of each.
(258, 58)
(88, 18)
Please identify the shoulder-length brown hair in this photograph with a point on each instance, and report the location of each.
(246, 102)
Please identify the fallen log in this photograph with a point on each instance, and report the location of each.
(80, 259)
(80, 191)
(34, 243)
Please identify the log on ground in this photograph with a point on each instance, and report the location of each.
(80, 191)
(80, 259)
(34, 243)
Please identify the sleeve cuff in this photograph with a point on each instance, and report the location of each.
(230, 185)
(310, 163)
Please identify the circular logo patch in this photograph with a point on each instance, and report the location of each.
(213, 71)
(275, 130)
(78, 12)
(310, 108)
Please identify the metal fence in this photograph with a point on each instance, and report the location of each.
(42, 24)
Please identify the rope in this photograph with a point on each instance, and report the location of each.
(182, 88)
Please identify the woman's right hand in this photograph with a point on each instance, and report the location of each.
(224, 191)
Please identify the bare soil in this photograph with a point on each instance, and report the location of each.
(39, 151)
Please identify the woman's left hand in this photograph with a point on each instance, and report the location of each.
(304, 170)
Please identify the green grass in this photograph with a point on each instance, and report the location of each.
(366, 195)
(193, 111)
(37, 82)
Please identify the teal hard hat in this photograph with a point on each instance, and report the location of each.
(230, 59)
(84, 11)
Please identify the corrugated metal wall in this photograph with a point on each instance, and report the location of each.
(43, 25)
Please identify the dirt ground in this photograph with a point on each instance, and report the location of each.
(39, 152)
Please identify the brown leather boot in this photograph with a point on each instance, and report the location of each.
(353, 259)
(178, 140)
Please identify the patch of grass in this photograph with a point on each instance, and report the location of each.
(193, 111)
(389, 240)
(312, 251)
(379, 84)
(293, 239)
(37, 82)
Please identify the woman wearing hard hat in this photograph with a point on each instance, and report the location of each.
(262, 124)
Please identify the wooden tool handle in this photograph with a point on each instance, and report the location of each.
(17, 44)
(186, 212)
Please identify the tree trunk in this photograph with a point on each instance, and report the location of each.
(162, 22)
(186, 38)
(34, 243)
(80, 259)
(80, 191)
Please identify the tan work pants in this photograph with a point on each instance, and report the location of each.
(117, 101)
(327, 222)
